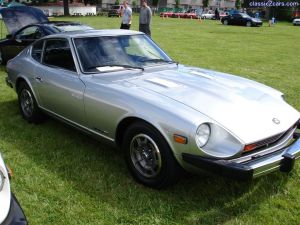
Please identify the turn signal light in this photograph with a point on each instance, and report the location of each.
(250, 147)
(10, 172)
(180, 139)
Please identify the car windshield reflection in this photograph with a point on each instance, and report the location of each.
(244, 15)
(123, 52)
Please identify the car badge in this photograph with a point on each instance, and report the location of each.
(276, 121)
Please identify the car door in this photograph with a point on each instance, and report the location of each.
(22, 39)
(234, 19)
(239, 19)
(59, 88)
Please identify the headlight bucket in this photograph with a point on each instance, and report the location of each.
(217, 142)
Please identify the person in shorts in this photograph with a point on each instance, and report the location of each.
(126, 16)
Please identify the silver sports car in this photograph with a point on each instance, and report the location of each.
(118, 85)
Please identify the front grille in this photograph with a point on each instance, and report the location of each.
(270, 141)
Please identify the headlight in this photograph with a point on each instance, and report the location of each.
(202, 135)
(2, 178)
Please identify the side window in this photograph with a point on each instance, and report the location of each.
(36, 51)
(58, 53)
(30, 33)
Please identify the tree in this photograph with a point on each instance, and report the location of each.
(134, 5)
(205, 3)
(238, 4)
(117, 2)
(177, 3)
(66, 8)
(155, 2)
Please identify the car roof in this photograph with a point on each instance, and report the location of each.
(93, 33)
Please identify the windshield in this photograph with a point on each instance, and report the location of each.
(100, 54)
(244, 15)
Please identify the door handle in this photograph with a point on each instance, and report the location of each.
(38, 78)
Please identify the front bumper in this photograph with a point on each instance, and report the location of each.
(258, 24)
(16, 215)
(283, 160)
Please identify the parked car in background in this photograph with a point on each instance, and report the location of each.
(241, 19)
(11, 212)
(115, 10)
(166, 14)
(208, 15)
(118, 85)
(191, 14)
(27, 24)
(296, 21)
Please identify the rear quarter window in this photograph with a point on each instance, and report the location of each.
(37, 49)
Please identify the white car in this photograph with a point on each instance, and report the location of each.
(208, 15)
(296, 21)
(10, 209)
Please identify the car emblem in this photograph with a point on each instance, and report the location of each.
(276, 121)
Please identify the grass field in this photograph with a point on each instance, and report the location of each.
(64, 177)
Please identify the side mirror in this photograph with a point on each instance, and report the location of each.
(18, 40)
(9, 36)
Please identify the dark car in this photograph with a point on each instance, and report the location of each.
(241, 19)
(115, 10)
(27, 24)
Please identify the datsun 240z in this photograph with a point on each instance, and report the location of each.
(120, 86)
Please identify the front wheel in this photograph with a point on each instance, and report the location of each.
(149, 157)
(225, 22)
(248, 24)
(28, 105)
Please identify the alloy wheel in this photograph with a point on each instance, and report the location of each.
(145, 155)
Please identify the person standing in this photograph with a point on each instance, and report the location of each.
(126, 16)
(217, 14)
(145, 18)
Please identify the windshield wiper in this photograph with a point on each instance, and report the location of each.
(117, 65)
(158, 60)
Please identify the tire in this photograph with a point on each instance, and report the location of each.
(248, 24)
(3, 60)
(149, 157)
(28, 105)
(225, 22)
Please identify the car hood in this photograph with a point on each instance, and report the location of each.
(17, 17)
(244, 107)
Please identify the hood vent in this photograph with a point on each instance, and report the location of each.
(163, 83)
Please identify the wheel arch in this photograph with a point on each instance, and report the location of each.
(21, 79)
(123, 125)
(128, 121)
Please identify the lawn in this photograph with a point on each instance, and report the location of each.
(64, 177)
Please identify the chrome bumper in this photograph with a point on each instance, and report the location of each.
(8, 82)
(282, 160)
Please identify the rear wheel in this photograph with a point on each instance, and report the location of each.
(28, 105)
(225, 22)
(149, 157)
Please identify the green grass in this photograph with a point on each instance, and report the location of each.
(64, 177)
